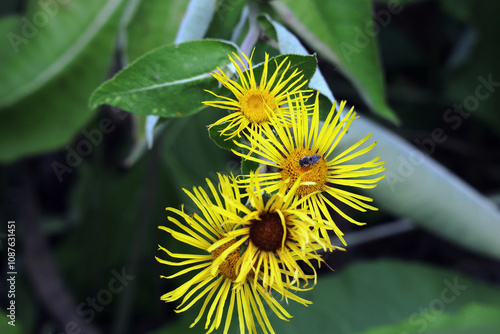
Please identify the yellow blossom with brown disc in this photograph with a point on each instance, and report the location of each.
(216, 270)
(277, 232)
(305, 150)
(255, 103)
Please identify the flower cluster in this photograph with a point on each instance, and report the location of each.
(261, 235)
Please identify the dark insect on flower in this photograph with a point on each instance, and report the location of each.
(309, 160)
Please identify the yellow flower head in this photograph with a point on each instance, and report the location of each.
(304, 150)
(215, 271)
(277, 232)
(255, 103)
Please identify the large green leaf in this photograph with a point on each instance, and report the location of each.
(379, 293)
(344, 33)
(49, 37)
(167, 82)
(375, 294)
(472, 319)
(417, 187)
(47, 100)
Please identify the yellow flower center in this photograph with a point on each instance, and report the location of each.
(297, 163)
(267, 233)
(254, 104)
(228, 267)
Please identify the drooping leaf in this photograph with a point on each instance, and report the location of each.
(343, 33)
(167, 82)
(417, 187)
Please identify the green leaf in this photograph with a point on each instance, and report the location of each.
(38, 41)
(341, 32)
(288, 43)
(167, 82)
(473, 318)
(154, 24)
(226, 17)
(8, 24)
(305, 64)
(222, 141)
(350, 301)
(248, 166)
(47, 101)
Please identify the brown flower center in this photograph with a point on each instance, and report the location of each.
(267, 233)
(228, 267)
(294, 166)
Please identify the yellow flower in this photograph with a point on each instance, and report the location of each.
(277, 232)
(215, 270)
(305, 150)
(254, 104)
